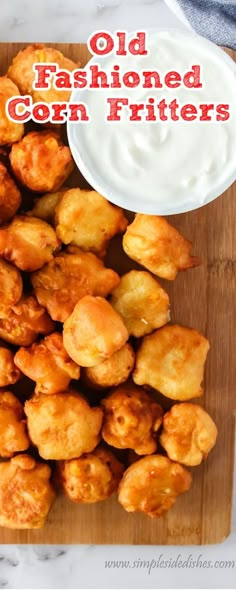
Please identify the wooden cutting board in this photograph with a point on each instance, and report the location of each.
(203, 298)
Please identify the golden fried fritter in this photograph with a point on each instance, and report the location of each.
(22, 323)
(21, 72)
(26, 494)
(85, 219)
(10, 285)
(157, 245)
(13, 437)
(131, 420)
(152, 484)
(189, 434)
(44, 207)
(9, 131)
(68, 277)
(41, 162)
(47, 363)
(172, 360)
(10, 197)
(9, 373)
(91, 478)
(28, 242)
(93, 332)
(112, 371)
(141, 302)
(62, 425)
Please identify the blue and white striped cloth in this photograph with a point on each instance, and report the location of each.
(214, 19)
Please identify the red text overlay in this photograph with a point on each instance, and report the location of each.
(49, 75)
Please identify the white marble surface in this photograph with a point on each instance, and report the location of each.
(83, 566)
(74, 20)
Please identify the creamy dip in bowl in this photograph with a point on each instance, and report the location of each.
(174, 158)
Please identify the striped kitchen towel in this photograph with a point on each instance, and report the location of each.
(214, 19)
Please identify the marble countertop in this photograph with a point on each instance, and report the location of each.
(75, 20)
(84, 566)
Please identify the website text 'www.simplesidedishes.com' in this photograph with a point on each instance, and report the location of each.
(189, 562)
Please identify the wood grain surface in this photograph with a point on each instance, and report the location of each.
(203, 298)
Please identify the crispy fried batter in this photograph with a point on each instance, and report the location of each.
(21, 324)
(9, 373)
(189, 434)
(131, 420)
(13, 437)
(63, 426)
(112, 371)
(85, 219)
(93, 332)
(152, 484)
(47, 363)
(61, 242)
(10, 197)
(157, 245)
(171, 360)
(68, 277)
(26, 494)
(45, 206)
(10, 285)
(22, 73)
(141, 302)
(41, 162)
(91, 478)
(9, 131)
(28, 242)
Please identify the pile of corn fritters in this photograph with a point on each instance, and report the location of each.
(84, 351)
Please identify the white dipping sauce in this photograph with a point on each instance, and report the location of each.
(160, 167)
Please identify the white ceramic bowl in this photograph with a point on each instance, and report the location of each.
(96, 175)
